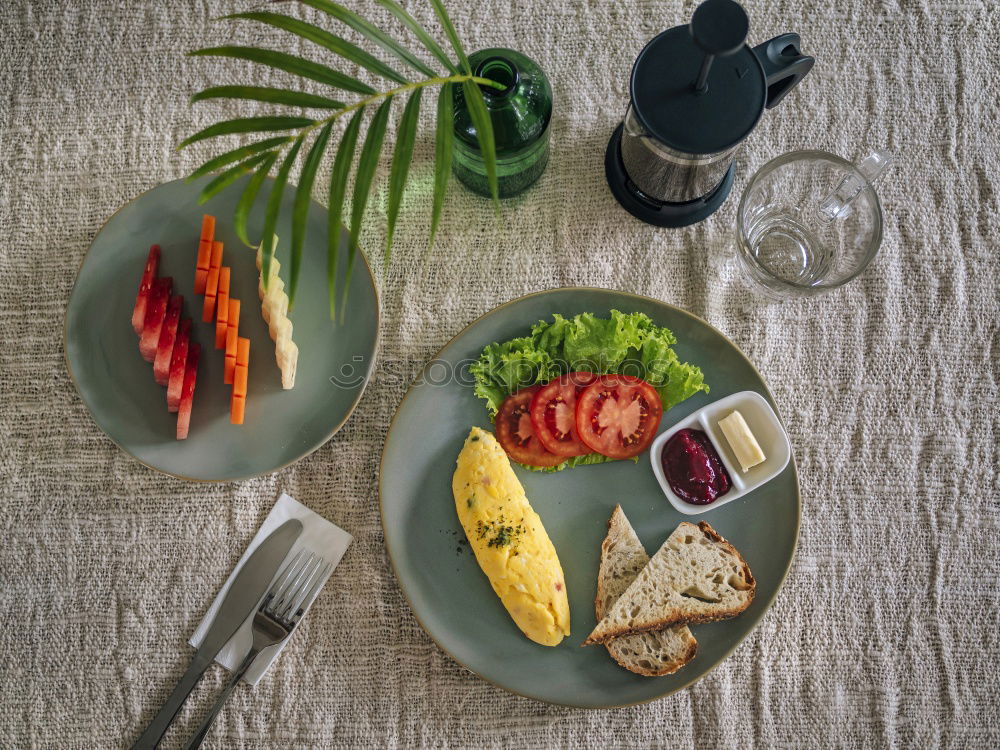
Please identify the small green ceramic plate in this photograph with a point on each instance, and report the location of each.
(280, 427)
(453, 600)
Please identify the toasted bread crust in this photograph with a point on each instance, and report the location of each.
(604, 551)
(668, 669)
(717, 538)
(666, 623)
(612, 521)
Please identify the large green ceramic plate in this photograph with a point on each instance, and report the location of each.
(451, 597)
(280, 426)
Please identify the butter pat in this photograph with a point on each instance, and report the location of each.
(742, 441)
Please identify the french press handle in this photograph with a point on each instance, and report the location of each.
(784, 65)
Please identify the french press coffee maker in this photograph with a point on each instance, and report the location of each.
(696, 93)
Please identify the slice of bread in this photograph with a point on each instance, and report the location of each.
(655, 653)
(696, 576)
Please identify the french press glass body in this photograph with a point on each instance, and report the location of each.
(697, 91)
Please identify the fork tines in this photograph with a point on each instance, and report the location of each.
(296, 587)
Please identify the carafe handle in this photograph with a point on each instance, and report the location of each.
(784, 65)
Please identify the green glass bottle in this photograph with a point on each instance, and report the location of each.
(520, 114)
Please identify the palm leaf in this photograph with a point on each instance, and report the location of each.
(300, 210)
(484, 134)
(290, 64)
(249, 197)
(370, 32)
(230, 176)
(442, 151)
(266, 94)
(248, 125)
(259, 158)
(335, 207)
(236, 154)
(367, 162)
(426, 39)
(449, 30)
(401, 163)
(274, 206)
(325, 39)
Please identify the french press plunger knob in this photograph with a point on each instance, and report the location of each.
(697, 91)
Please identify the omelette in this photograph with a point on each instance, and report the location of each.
(509, 541)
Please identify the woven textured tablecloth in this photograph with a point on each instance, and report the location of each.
(887, 631)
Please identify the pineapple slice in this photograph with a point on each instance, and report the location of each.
(275, 267)
(274, 310)
(275, 302)
(287, 354)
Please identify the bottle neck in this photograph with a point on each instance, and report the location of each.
(501, 70)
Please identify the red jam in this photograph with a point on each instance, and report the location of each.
(693, 468)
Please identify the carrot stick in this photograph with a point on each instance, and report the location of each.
(233, 319)
(208, 227)
(230, 363)
(216, 259)
(238, 403)
(201, 270)
(204, 253)
(237, 407)
(240, 381)
(242, 352)
(232, 334)
(211, 287)
(222, 308)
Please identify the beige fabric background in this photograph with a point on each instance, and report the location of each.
(887, 631)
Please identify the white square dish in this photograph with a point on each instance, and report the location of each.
(766, 428)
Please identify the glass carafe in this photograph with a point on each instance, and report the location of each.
(666, 174)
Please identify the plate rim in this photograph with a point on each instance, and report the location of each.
(395, 569)
(336, 428)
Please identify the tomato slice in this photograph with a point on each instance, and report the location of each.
(617, 415)
(516, 435)
(553, 414)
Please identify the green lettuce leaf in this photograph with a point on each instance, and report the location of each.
(569, 463)
(505, 368)
(626, 343)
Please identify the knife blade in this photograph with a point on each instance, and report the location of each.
(249, 585)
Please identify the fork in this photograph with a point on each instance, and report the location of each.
(280, 611)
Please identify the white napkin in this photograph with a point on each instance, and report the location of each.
(319, 536)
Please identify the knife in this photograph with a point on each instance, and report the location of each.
(249, 585)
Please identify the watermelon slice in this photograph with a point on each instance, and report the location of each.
(156, 311)
(139, 313)
(165, 347)
(178, 364)
(187, 393)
